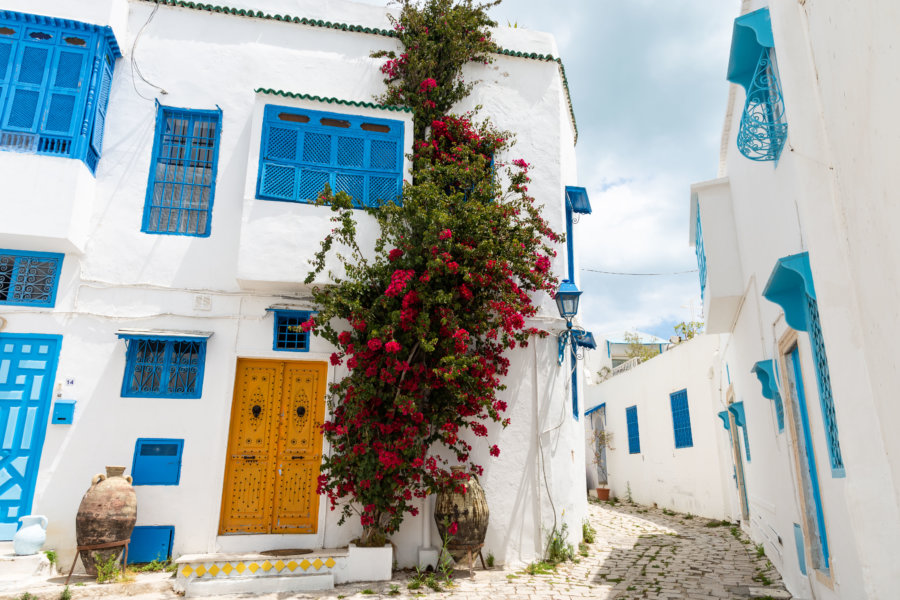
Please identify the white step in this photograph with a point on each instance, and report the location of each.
(258, 585)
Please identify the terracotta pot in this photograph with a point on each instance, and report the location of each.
(469, 511)
(107, 514)
(603, 493)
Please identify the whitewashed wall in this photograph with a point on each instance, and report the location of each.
(114, 276)
(690, 480)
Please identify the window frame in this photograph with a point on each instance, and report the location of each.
(193, 116)
(46, 256)
(131, 358)
(279, 313)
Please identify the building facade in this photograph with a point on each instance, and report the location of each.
(156, 227)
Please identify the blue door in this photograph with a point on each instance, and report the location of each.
(27, 370)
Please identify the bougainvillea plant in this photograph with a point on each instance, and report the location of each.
(424, 322)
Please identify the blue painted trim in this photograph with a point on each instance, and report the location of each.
(148, 540)
(752, 33)
(574, 358)
(131, 357)
(156, 470)
(790, 281)
(192, 117)
(279, 314)
(45, 256)
(740, 419)
(608, 351)
(634, 433)
(63, 412)
(810, 453)
(577, 199)
(102, 30)
(728, 373)
(801, 548)
(765, 372)
(570, 245)
(40, 422)
(726, 423)
(681, 419)
(595, 409)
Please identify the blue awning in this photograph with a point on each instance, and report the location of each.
(737, 409)
(752, 33)
(577, 200)
(789, 285)
(585, 339)
(765, 372)
(595, 409)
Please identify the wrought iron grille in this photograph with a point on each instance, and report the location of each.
(183, 172)
(823, 381)
(763, 129)
(170, 368)
(29, 279)
(634, 435)
(681, 419)
(701, 256)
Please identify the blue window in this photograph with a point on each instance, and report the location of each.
(681, 419)
(29, 278)
(163, 367)
(182, 172)
(303, 150)
(55, 77)
(157, 461)
(634, 436)
(288, 335)
(701, 256)
(763, 128)
(150, 542)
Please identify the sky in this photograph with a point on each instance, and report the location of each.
(647, 80)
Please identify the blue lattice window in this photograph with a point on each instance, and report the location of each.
(182, 172)
(823, 381)
(634, 435)
(681, 419)
(163, 366)
(763, 128)
(288, 335)
(701, 256)
(55, 78)
(29, 278)
(303, 150)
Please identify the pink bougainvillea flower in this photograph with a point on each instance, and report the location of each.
(495, 451)
(454, 527)
(446, 234)
(395, 254)
(374, 344)
(392, 346)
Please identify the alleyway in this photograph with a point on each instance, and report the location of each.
(638, 552)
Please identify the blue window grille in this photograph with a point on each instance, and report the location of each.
(182, 172)
(763, 128)
(303, 150)
(288, 335)
(157, 461)
(681, 419)
(163, 367)
(701, 256)
(151, 542)
(29, 278)
(791, 287)
(55, 77)
(634, 436)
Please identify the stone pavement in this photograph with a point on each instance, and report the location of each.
(638, 552)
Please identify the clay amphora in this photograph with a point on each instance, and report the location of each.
(107, 514)
(469, 511)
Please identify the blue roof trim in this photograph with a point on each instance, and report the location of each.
(737, 409)
(725, 423)
(595, 409)
(765, 372)
(585, 339)
(577, 199)
(752, 33)
(790, 280)
(104, 30)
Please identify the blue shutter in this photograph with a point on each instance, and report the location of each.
(66, 88)
(681, 419)
(31, 69)
(634, 435)
(102, 101)
(7, 51)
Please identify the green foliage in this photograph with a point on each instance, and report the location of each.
(66, 594)
(583, 549)
(689, 516)
(367, 592)
(558, 547)
(760, 551)
(588, 533)
(541, 567)
(152, 567)
(686, 330)
(668, 512)
(715, 523)
(51, 556)
(395, 590)
(107, 569)
(628, 497)
(637, 349)
(490, 560)
(27, 596)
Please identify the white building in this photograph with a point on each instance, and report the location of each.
(799, 265)
(153, 238)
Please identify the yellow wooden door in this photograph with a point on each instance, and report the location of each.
(276, 415)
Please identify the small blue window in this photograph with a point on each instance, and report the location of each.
(157, 461)
(288, 335)
(55, 78)
(634, 436)
(163, 367)
(681, 419)
(29, 278)
(303, 150)
(151, 542)
(182, 172)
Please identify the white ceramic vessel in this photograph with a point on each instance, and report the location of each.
(31, 536)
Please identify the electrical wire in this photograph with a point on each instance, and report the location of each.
(134, 66)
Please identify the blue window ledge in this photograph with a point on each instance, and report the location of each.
(182, 182)
(763, 128)
(790, 286)
(55, 79)
(287, 335)
(765, 372)
(163, 364)
(577, 200)
(29, 278)
(303, 150)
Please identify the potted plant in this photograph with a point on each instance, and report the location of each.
(600, 440)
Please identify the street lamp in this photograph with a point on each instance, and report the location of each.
(567, 297)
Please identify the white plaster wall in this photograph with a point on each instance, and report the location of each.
(126, 278)
(683, 479)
